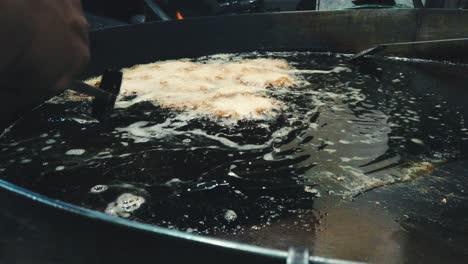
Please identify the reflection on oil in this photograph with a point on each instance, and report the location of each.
(358, 227)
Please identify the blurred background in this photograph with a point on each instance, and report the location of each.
(104, 13)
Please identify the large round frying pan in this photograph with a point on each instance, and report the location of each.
(37, 229)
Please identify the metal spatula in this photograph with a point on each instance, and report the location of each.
(433, 45)
(104, 96)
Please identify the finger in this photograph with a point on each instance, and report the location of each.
(78, 61)
(81, 27)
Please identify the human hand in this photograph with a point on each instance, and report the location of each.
(45, 47)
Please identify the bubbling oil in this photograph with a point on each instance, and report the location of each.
(345, 130)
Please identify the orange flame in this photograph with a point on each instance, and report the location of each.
(179, 15)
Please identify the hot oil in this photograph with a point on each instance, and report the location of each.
(347, 129)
